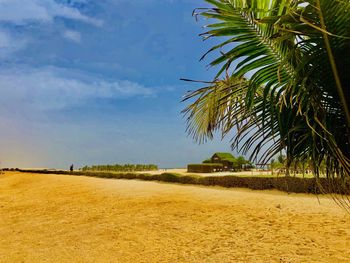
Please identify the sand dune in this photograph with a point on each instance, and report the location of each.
(52, 218)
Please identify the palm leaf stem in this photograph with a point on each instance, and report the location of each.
(333, 65)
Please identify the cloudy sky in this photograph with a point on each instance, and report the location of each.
(92, 82)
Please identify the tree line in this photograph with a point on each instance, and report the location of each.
(120, 167)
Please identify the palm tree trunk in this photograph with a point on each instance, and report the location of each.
(288, 163)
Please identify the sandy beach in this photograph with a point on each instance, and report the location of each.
(58, 218)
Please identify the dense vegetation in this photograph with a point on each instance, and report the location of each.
(121, 167)
(221, 161)
(283, 82)
(238, 163)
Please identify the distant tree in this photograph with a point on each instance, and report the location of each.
(121, 168)
(281, 158)
(241, 161)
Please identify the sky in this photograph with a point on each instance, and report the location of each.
(98, 82)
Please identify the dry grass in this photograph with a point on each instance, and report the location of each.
(57, 218)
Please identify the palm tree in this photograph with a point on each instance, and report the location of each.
(283, 81)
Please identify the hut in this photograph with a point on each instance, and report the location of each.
(226, 159)
(204, 168)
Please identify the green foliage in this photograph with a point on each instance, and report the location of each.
(282, 83)
(225, 156)
(240, 161)
(237, 163)
(281, 159)
(277, 165)
(121, 167)
(169, 177)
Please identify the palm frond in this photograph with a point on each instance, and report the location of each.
(289, 87)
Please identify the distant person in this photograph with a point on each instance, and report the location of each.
(71, 168)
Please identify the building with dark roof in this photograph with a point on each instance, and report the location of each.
(226, 159)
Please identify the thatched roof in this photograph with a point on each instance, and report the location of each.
(225, 156)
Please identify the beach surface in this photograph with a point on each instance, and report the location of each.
(60, 218)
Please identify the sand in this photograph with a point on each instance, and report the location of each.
(59, 218)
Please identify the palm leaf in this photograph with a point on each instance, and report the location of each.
(289, 84)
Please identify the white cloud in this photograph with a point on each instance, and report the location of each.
(4, 40)
(10, 44)
(52, 88)
(72, 35)
(22, 12)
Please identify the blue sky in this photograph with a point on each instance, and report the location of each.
(92, 82)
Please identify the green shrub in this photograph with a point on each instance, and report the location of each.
(168, 177)
(188, 179)
(121, 167)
